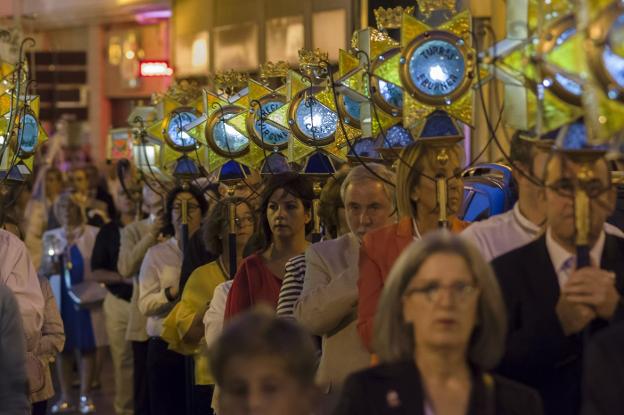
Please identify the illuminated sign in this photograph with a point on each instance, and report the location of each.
(154, 68)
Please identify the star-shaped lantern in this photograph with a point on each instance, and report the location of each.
(181, 106)
(536, 61)
(437, 69)
(269, 139)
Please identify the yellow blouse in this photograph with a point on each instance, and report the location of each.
(196, 295)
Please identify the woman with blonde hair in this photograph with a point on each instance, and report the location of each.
(420, 165)
(440, 327)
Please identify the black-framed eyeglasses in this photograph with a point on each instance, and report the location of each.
(461, 291)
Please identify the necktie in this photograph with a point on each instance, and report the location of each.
(566, 270)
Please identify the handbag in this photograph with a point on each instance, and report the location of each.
(85, 294)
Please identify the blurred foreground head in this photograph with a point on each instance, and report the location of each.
(264, 365)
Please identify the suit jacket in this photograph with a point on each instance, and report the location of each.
(603, 376)
(327, 307)
(538, 352)
(396, 389)
(380, 249)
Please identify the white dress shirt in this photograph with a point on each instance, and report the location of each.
(160, 269)
(564, 262)
(502, 233)
(213, 319)
(18, 273)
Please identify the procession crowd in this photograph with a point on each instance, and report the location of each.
(214, 299)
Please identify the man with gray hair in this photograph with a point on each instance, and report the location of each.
(327, 306)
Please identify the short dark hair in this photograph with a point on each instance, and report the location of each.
(297, 185)
(521, 149)
(259, 333)
(173, 193)
(217, 222)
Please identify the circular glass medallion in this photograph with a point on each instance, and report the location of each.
(175, 133)
(28, 134)
(227, 138)
(271, 134)
(314, 120)
(437, 68)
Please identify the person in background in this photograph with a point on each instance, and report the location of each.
(47, 348)
(98, 190)
(39, 213)
(135, 239)
(69, 251)
(418, 211)
(439, 329)
(117, 302)
(284, 221)
(159, 279)
(525, 221)
(196, 254)
(183, 328)
(264, 366)
(553, 307)
(328, 304)
(95, 211)
(13, 382)
(332, 217)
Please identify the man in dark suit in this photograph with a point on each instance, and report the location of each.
(603, 377)
(553, 308)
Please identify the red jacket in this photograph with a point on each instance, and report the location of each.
(254, 283)
(380, 249)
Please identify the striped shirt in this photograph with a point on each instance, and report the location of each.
(292, 285)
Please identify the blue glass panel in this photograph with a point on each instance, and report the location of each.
(614, 63)
(29, 133)
(568, 84)
(319, 163)
(352, 107)
(315, 120)
(437, 68)
(186, 167)
(231, 171)
(271, 134)
(275, 163)
(397, 137)
(576, 138)
(439, 124)
(175, 129)
(365, 148)
(391, 93)
(227, 138)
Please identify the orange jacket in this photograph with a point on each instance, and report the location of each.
(380, 249)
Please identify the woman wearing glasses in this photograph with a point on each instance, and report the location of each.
(159, 278)
(439, 327)
(183, 328)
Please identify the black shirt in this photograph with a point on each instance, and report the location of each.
(105, 254)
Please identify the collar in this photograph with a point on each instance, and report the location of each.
(417, 235)
(559, 256)
(525, 223)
